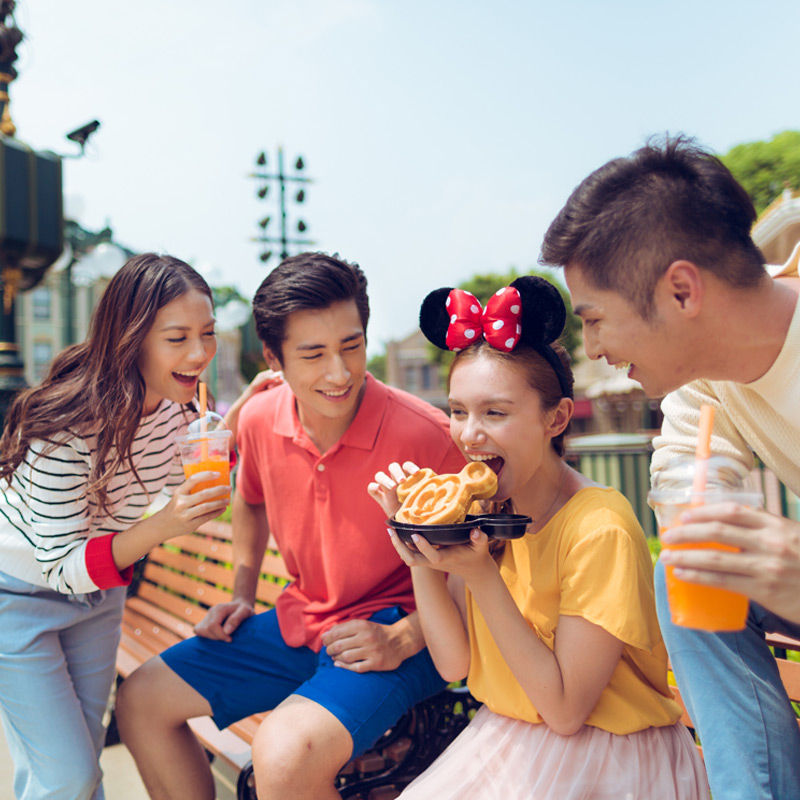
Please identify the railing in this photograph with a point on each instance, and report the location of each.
(775, 204)
(622, 460)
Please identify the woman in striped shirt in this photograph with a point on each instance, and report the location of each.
(82, 457)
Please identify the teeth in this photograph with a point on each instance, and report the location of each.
(476, 457)
(626, 365)
(335, 394)
(189, 374)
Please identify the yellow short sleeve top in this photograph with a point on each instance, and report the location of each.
(591, 560)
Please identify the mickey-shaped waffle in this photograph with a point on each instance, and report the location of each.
(431, 499)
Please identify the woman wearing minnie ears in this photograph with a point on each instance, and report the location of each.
(556, 632)
(81, 458)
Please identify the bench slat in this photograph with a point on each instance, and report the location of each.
(224, 530)
(208, 570)
(147, 630)
(225, 744)
(179, 606)
(790, 675)
(136, 651)
(246, 728)
(784, 642)
(198, 590)
(178, 626)
(136, 622)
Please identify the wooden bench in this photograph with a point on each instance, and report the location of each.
(184, 577)
(789, 672)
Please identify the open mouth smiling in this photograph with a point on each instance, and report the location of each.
(495, 463)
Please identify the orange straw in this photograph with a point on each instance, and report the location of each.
(703, 451)
(203, 403)
(203, 423)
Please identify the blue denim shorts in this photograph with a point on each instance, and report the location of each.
(258, 670)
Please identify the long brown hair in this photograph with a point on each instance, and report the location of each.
(95, 388)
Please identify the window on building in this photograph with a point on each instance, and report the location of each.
(429, 376)
(42, 356)
(42, 299)
(411, 384)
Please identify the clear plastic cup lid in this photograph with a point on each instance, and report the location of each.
(722, 474)
(211, 426)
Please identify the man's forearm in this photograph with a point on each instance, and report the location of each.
(250, 536)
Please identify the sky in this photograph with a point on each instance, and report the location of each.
(442, 137)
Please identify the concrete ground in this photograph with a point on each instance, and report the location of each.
(122, 781)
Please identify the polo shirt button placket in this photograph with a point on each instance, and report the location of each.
(321, 484)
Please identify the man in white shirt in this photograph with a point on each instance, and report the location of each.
(670, 286)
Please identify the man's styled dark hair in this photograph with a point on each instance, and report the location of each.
(668, 201)
(301, 283)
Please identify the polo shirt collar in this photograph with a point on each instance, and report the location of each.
(363, 430)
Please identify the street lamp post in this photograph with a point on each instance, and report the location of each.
(31, 215)
(282, 178)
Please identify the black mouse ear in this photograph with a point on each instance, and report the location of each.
(434, 318)
(543, 311)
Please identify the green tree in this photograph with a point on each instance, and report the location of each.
(764, 168)
(483, 286)
(377, 366)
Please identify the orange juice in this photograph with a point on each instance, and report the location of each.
(690, 482)
(212, 463)
(705, 608)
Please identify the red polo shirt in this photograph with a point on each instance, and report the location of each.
(331, 534)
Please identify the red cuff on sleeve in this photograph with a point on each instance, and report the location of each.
(100, 564)
(232, 459)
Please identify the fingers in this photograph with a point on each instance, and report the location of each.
(397, 474)
(383, 480)
(199, 478)
(409, 558)
(222, 620)
(430, 551)
(396, 471)
(266, 380)
(732, 513)
(236, 619)
(210, 627)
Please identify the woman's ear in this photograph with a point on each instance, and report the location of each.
(560, 416)
(273, 362)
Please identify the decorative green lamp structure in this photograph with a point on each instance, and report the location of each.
(282, 178)
(31, 214)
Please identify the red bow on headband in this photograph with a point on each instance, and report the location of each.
(498, 322)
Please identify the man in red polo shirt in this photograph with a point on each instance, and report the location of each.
(341, 657)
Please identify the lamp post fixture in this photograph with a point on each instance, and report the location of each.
(31, 214)
(266, 181)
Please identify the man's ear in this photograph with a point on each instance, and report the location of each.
(684, 287)
(273, 362)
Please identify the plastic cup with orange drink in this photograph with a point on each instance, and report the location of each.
(206, 448)
(688, 483)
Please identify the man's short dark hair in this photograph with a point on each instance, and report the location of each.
(301, 283)
(668, 201)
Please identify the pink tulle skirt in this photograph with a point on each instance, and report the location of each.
(509, 759)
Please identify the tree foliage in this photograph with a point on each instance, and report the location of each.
(483, 286)
(377, 366)
(765, 167)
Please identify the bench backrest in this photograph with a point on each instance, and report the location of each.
(182, 579)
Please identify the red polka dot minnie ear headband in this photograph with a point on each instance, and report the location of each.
(529, 311)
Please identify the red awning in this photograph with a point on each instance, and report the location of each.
(583, 408)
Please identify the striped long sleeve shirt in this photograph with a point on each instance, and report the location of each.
(52, 535)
